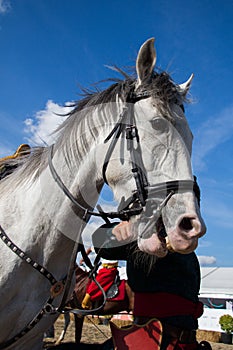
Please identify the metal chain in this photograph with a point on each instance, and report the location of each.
(56, 289)
(46, 309)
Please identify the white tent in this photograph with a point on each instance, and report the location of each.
(217, 295)
(217, 282)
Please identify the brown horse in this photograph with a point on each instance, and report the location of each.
(111, 307)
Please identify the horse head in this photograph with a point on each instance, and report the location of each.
(134, 136)
(148, 162)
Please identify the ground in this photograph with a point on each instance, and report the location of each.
(94, 333)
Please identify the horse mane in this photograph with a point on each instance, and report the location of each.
(160, 86)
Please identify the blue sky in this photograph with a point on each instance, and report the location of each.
(49, 47)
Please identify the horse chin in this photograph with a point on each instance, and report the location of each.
(151, 240)
(182, 246)
(153, 246)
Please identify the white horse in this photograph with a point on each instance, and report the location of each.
(143, 124)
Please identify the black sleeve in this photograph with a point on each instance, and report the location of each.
(109, 248)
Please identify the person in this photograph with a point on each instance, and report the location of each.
(166, 290)
(106, 276)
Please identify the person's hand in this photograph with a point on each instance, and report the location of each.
(122, 231)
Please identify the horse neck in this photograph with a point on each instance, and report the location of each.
(75, 159)
(79, 175)
(77, 155)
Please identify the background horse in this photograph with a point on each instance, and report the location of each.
(133, 136)
(111, 307)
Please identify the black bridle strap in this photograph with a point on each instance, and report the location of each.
(58, 180)
(138, 169)
(123, 214)
(114, 135)
(69, 278)
(167, 190)
(127, 123)
(176, 186)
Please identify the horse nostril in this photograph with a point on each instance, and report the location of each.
(186, 224)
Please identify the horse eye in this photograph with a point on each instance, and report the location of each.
(159, 124)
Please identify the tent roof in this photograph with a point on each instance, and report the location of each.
(217, 280)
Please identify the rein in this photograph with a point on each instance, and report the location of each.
(122, 214)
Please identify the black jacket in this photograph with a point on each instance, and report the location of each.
(175, 273)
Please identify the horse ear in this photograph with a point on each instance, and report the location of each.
(184, 88)
(146, 60)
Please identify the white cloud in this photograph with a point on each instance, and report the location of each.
(206, 260)
(40, 128)
(5, 6)
(212, 133)
(5, 151)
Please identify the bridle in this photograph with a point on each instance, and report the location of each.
(127, 124)
(135, 204)
(132, 206)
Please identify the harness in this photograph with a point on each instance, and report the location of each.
(134, 205)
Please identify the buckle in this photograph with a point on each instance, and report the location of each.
(56, 289)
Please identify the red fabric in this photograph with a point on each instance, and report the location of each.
(105, 277)
(165, 305)
(121, 292)
(135, 337)
(184, 346)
